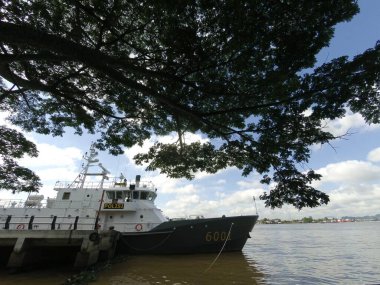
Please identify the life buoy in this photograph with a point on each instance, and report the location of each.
(138, 227)
(20, 227)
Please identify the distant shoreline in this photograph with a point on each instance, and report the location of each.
(326, 220)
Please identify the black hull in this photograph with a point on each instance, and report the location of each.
(190, 236)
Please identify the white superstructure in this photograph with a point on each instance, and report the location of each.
(92, 201)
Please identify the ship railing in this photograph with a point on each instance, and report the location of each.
(10, 222)
(107, 184)
(74, 185)
(22, 203)
(47, 203)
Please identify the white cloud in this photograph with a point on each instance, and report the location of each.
(374, 155)
(356, 191)
(57, 174)
(351, 122)
(179, 207)
(50, 155)
(172, 186)
(350, 200)
(54, 164)
(351, 171)
(250, 183)
(179, 190)
(233, 203)
(346, 200)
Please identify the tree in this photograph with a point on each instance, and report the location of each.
(231, 71)
(12, 176)
(307, 219)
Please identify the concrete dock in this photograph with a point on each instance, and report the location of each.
(22, 248)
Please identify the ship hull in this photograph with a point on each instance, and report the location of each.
(190, 236)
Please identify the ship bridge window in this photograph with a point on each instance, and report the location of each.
(115, 195)
(144, 195)
(136, 195)
(111, 195)
(66, 196)
(119, 195)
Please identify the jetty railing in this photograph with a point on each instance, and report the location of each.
(26, 222)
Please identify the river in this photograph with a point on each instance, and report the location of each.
(344, 253)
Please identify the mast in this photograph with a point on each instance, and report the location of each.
(90, 160)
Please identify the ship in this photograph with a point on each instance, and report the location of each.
(96, 201)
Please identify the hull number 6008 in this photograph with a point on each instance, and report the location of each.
(217, 236)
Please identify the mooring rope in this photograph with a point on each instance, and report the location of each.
(225, 242)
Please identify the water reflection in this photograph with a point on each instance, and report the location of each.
(276, 254)
(230, 268)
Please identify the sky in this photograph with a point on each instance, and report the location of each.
(350, 166)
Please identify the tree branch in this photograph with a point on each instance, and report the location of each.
(34, 85)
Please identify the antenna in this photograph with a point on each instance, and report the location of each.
(254, 200)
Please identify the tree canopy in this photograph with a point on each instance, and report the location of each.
(231, 71)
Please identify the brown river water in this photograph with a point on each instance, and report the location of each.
(347, 253)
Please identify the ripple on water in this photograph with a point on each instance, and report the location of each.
(346, 253)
